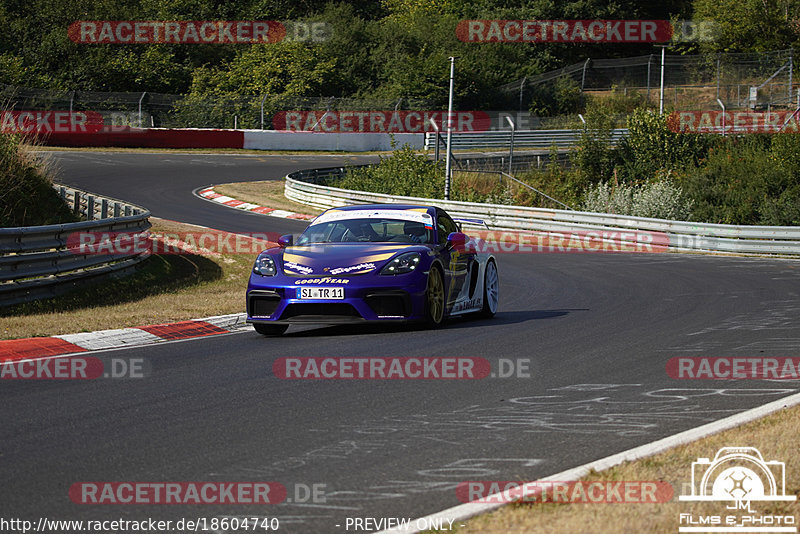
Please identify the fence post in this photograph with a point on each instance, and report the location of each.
(583, 76)
(116, 209)
(661, 91)
(90, 207)
(262, 110)
(511, 146)
(104, 208)
(140, 108)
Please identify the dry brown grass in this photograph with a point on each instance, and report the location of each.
(265, 193)
(170, 288)
(776, 436)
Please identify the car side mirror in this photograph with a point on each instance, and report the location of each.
(286, 240)
(456, 241)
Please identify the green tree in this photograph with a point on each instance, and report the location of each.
(651, 148)
(750, 25)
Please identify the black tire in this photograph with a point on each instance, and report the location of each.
(434, 298)
(270, 329)
(491, 291)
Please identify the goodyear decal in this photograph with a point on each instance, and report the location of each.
(325, 280)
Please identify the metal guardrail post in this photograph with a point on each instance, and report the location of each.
(42, 261)
(116, 209)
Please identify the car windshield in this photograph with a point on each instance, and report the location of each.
(373, 230)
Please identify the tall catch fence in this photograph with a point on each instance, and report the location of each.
(739, 80)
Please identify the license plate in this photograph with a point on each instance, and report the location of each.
(328, 293)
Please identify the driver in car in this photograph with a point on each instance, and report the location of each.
(416, 231)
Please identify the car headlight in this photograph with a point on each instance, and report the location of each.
(265, 266)
(404, 263)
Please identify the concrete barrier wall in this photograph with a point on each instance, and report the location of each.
(349, 142)
(250, 139)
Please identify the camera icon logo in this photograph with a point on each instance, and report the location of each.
(738, 474)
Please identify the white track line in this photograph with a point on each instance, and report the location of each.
(465, 511)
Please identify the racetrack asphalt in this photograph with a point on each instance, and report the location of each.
(595, 329)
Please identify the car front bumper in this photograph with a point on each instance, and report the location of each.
(368, 298)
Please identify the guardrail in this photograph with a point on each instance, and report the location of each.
(38, 262)
(542, 139)
(308, 187)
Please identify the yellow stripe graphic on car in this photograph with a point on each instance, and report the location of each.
(375, 257)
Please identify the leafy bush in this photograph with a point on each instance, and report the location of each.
(403, 173)
(651, 146)
(783, 210)
(594, 156)
(605, 198)
(746, 180)
(27, 197)
(661, 199)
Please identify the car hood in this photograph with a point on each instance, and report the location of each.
(344, 259)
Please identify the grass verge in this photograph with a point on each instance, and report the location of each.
(168, 287)
(775, 436)
(264, 193)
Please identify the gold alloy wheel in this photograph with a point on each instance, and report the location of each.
(435, 295)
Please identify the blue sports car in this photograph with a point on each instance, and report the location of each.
(372, 263)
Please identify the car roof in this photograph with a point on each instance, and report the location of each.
(430, 210)
(400, 207)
